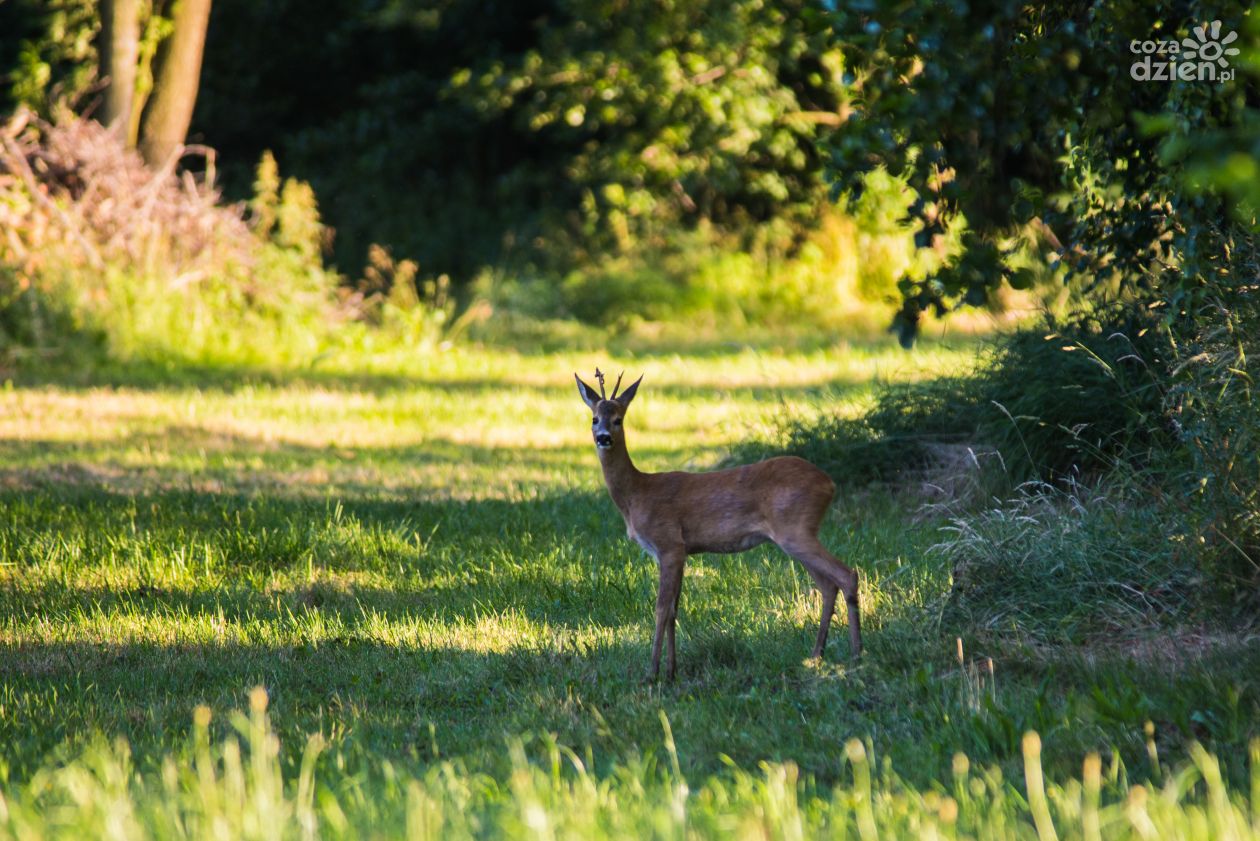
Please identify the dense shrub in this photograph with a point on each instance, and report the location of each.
(1176, 524)
(143, 264)
(884, 445)
(1063, 400)
(1078, 398)
(104, 258)
(1005, 114)
(1159, 412)
(766, 279)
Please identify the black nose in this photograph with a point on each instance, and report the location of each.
(603, 439)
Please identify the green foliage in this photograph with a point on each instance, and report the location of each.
(47, 55)
(1221, 160)
(1079, 398)
(40, 320)
(403, 309)
(536, 138)
(544, 137)
(1113, 397)
(680, 112)
(894, 441)
(840, 275)
(998, 114)
(701, 276)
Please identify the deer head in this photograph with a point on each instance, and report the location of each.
(607, 413)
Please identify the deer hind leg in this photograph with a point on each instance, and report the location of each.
(831, 576)
(671, 568)
(829, 592)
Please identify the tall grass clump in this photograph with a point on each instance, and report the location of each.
(104, 257)
(1068, 564)
(1212, 409)
(240, 788)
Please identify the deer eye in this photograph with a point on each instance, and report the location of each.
(616, 421)
(594, 421)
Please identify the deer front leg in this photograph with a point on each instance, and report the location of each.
(672, 668)
(671, 569)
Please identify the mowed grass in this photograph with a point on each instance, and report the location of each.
(419, 564)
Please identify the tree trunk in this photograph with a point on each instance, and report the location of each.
(120, 52)
(175, 89)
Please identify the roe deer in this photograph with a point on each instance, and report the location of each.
(673, 515)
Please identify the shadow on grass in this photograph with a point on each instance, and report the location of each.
(182, 457)
(193, 458)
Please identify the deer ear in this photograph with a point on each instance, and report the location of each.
(628, 395)
(588, 394)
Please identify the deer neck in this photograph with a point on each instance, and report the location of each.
(620, 475)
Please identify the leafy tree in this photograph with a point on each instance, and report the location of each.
(351, 100)
(46, 52)
(1003, 114)
(471, 134)
(675, 111)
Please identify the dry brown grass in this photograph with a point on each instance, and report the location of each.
(71, 188)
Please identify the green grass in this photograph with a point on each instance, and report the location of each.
(418, 561)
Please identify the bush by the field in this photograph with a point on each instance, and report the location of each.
(1160, 416)
(104, 258)
(1211, 406)
(1063, 400)
(841, 273)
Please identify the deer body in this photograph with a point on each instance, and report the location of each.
(676, 514)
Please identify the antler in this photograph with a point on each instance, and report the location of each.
(599, 375)
(617, 387)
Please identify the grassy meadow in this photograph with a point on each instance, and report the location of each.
(417, 561)
(302, 531)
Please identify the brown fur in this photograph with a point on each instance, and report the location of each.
(673, 515)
